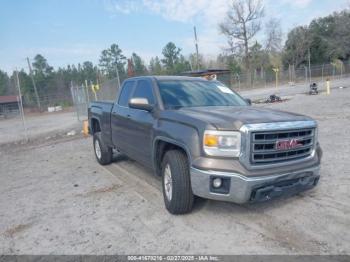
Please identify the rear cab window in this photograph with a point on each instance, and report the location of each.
(125, 93)
(144, 89)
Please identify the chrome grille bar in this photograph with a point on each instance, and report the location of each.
(274, 127)
(282, 134)
(264, 145)
(307, 145)
(273, 159)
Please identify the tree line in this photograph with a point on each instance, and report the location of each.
(51, 82)
(324, 40)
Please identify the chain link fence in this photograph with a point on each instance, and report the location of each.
(66, 108)
(9, 109)
(108, 90)
(81, 100)
(83, 94)
(24, 118)
(290, 76)
(260, 78)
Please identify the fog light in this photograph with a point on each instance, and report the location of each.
(217, 182)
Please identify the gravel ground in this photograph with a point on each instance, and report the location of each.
(288, 90)
(46, 124)
(56, 199)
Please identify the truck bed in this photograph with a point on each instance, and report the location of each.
(101, 111)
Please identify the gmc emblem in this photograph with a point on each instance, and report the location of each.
(287, 144)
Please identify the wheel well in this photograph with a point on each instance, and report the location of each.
(161, 148)
(95, 126)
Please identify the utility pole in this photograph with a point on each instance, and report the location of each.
(309, 66)
(196, 43)
(34, 85)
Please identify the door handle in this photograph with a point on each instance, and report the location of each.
(128, 116)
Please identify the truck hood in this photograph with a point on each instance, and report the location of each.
(233, 117)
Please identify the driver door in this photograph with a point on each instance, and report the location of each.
(141, 124)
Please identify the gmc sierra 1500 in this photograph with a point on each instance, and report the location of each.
(205, 140)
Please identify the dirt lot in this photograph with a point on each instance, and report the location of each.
(55, 199)
(46, 124)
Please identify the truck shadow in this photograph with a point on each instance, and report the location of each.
(141, 173)
(257, 207)
(120, 158)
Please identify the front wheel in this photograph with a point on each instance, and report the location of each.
(103, 153)
(177, 191)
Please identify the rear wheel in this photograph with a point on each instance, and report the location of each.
(103, 153)
(177, 191)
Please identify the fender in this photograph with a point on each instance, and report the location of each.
(171, 141)
(90, 123)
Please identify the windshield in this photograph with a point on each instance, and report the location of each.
(192, 93)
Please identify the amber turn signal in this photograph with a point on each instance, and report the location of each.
(210, 140)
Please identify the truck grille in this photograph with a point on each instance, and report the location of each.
(265, 149)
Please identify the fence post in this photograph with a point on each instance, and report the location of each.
(322, 71)
(74, 99)
(328, 85)
(289, 74)
(19, 100)
(341, 70)
(276, 70)
(87, 91)
(238, 78)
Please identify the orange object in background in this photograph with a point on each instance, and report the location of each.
(85, 128)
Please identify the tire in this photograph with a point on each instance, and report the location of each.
(178, 196)
(103, 153)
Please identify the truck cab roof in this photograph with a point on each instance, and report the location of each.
(166, 77)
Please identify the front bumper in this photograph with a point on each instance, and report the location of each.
(241, 189)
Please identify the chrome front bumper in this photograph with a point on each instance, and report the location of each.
(244, 189)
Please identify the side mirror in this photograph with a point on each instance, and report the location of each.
(248, 101)
(140, 103)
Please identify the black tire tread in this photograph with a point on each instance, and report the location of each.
(182, 199)
(106, 152)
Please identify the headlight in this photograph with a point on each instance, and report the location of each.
(222, 143)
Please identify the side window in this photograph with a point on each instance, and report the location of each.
(144, 90)
(125, 93)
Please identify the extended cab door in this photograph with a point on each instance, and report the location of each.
(141, 124)
(120, 118)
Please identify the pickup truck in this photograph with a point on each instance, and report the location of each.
(205, 140)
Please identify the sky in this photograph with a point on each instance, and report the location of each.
(72, 31)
